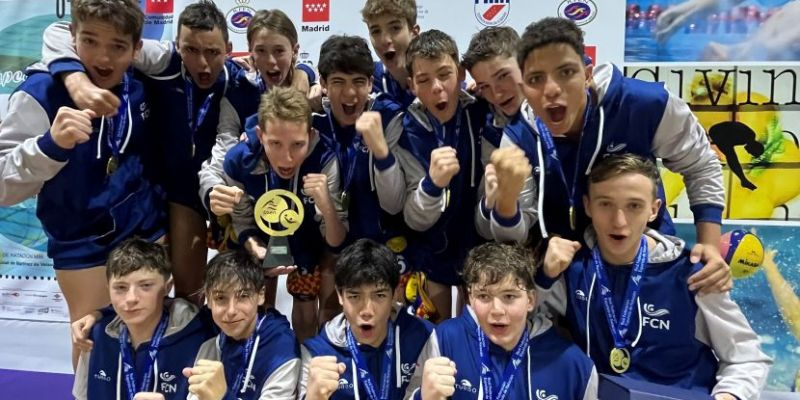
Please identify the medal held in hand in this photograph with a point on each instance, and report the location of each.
(279, 213)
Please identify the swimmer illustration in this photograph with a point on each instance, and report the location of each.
(729, 134)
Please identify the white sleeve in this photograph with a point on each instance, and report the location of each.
(25, 167)
(390, 183)
(430, 350)
(242, 217)
(282, 383)
(552, 302)
(743, 367)
(592, 386)
(683, 145)
(80, 385)
(228, 130)
(302, 383)
(154, 56)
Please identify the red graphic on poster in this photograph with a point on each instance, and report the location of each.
(159, 6)
(316, 10)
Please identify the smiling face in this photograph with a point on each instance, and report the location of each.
(235, 310)
(348, 94)
(555, 83)
(104, 51)
(286, 144)
(502, 309)
(500, 82)
(367, 308)
(274, 56)
(203, 53)
(390, 36)
(138, 297)
(620, 208)
(435, 82)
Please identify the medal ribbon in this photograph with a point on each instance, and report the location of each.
(128, 368)
(517, 356)
(363, 370)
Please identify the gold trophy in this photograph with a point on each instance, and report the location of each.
(279, 213)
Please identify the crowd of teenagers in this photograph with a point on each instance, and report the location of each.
(532, 189)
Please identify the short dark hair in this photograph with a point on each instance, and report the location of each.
(124, 15)
(489, 43)
(366, 262)
(204, 15)
(231, 268)
(492, 262)
(431, 45)
(621, 164)
(134, 254)
(345, 54)
(547, 31)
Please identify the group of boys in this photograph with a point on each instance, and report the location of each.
(400, 163)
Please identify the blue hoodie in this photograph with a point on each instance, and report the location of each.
(384, 82)
(411, 334)
(552, 369)
(99, 373)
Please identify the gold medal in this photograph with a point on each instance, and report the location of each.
(572, 217)
(397, 244)
(280, 208)
(620, 360)
(111, 165)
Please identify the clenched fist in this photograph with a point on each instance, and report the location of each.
(444, 166)
(224, 198)
(558, 256)
(370, 126)
(207, 380)
(323, 377)
(71, 127)
(438, 378)
(316, 186)
(511, 168)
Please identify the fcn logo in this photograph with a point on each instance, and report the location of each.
(492, 12)
(159, 6)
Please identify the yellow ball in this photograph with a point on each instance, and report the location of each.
(743, 251)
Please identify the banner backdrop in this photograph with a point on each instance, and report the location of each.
(751, 112)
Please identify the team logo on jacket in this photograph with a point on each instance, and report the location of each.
(580, 295)
(406, 371)
(466, 386)
(541, 394)
(239, 17)
(101, 375)
(166, 385)
(580, 11)
(655, 318)
(492, 12)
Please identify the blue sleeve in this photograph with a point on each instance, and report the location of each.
(65, 65)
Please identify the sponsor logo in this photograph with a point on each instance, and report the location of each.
(580, 295)
(345, 385)
(101, 375)
(159, 6)
(315, 28)
(541, 394)
(466, 386)
(492, 12)
(316, 11)
(166, 376)
(615, 147)
(239, 17)
(580, 11)
(654, 317)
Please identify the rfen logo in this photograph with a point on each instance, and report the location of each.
(316, 10)
(492, 12)
(159, 6)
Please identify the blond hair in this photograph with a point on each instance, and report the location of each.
(285, 104)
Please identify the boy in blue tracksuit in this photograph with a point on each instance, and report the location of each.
(492, 350)
(91, 175)
(283, 153)
(257, 347)
(145, 344)
(440, 156)
(185, 83)
(360, 128)
(583, 113)
(391, 25)
(627, 302)
(369, 351)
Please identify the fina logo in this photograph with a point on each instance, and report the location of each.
(654, 319)
(542, 395)
(492, 12)
(466, 386)
(239, 17)
(580, 11)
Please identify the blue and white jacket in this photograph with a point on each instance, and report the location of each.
(384, 82)
(84, 211)
(273, 367)
(553, 368)
(631, 116)
(246, 167)
(99, 372)
(444, 231)
(701, 343)
(411, 334)
(367, 218)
